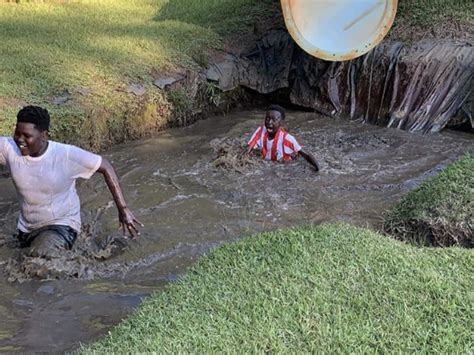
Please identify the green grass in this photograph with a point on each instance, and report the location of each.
(330, 288)
(428, 12)
(104, 45)
(440, 211)
(439, 19)
(227, 17)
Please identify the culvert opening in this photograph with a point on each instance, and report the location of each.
(279, 97)
(465, 126)
(386, 87)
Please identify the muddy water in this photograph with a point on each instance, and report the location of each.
(189, 206)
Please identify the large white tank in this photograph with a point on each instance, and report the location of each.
(338, 30)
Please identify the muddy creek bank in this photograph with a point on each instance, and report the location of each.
(189, 206)
(420, 87)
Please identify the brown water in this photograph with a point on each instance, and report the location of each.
(188, 206)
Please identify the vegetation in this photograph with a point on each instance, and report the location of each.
(441, 211)
(79, 58)
(330, 288)
(440, 19)
(427, 12)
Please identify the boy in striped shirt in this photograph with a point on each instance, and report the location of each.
(274, 142)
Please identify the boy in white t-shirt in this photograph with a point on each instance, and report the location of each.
(44, 173)
(274, 142)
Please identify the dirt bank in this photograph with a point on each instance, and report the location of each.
(423, 87)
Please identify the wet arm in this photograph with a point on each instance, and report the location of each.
(126, 218)
(309, 158)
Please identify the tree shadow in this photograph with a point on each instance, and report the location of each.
(45, 59)
(222, 16)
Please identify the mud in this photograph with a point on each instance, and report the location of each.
(82, 262)
(193, 190)
(231, 155)
(420, 87)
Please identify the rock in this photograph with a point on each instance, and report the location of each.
(136, 89)
(66, 96)
(162, 83)
(47, 289)
(225, 73)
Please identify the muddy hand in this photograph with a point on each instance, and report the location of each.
(247, 152)
(128, 222)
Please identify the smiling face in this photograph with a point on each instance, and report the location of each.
(30, 140)
(272, 122)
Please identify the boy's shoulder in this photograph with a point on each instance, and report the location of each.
(7, 145)
(292, 141)
(286, 133)
(259, 130)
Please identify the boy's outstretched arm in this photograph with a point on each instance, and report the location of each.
(310, 159)
(126, 218)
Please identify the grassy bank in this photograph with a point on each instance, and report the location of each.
(329, 288)
(79, 58)
(433, 19)
(86, 54)
(441, 211)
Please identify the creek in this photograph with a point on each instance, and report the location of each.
(188, 206)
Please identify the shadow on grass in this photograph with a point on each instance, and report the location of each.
(39, 57)
(46, 50)
(104, 46)
(222, 16)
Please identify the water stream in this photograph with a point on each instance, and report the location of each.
(189, 206)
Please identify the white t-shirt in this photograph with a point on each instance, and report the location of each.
(46, 185)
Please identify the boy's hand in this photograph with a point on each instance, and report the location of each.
(246, 151)
(128, 222)
(310, 159)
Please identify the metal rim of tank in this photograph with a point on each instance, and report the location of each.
(310, 48)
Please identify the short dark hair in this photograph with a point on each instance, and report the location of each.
(36, 115)
(278, 108)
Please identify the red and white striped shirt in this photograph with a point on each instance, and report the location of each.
(283, 147)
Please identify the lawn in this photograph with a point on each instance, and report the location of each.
(87, 53)
(433, 19)
(329, 288)
(428, 12)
